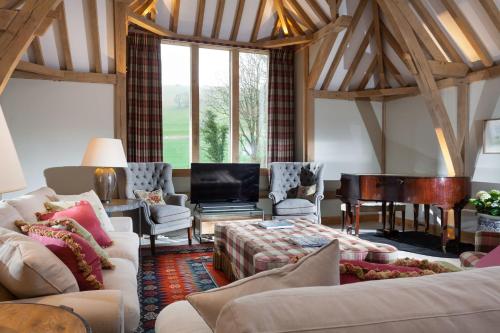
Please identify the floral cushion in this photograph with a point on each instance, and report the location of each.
(74, 251)
(152, 198)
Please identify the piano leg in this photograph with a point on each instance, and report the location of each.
(444, 228)
(391, 217)
(427, 209)
(458, 227)
(348, 212)
(357, 209)
(384, 214)
(416, 208)
(403, 219)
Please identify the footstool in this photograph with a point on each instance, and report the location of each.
(243, 249)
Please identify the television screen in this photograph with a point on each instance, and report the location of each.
(224, 182)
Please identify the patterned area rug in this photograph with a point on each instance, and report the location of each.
(175, 272)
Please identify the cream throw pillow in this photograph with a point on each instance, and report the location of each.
(320, 268)
(89, 196)
(29, 269)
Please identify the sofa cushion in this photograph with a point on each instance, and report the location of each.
(31, 203)
(295, 207)
(8, 216)
(74, 251)
(124, 278)
(125, 246)
(320, 268)
(169, 213)
(433, 303)
(180, 317)
(29, 269)
(93, 199)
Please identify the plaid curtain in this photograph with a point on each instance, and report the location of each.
(144, 98)
(281, 113)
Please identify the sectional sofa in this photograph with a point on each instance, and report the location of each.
(111, 310)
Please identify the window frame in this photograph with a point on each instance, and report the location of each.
(234, 72)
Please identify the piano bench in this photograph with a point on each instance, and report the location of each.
(370, 207)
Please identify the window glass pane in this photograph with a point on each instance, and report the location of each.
(176, 88)
(215, 104)
(253, 107)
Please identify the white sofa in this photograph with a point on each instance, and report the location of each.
(467, 301)
(111, 310)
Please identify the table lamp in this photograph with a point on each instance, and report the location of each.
(11, 174)
(105, 154)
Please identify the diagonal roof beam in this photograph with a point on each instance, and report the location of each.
(491, 9)
(302, 14)
(394, 72)
(174, 15)
(258, 21)
(318, 11)
(200, 13)
(321, 58)
(218, 18)
(237, 20)
(368, 74)
(379, 50)
(280, 10)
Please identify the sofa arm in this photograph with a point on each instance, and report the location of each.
(102, 309)
(122, 223)
(176, 199)
(276, 197)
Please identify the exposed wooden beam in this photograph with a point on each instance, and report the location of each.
(436, 31)
(288, 41)
(218, 18)
(319, 62)
(235, 106)
(429, 90)
(64, 37)
(394, 72)
(120, 34)
(195, 104)
(333, 8)
(368, 74)
(153, 27)
(393, 43)
(343, 44)
(200, 13)
(292, 23)
(379, 48)
(469, 32)
(357, 58)
(68, 76)
(372, 93)
(302, 14)
(339, 24)
(6, 16)
(318, 11)
(280, 10)
(276, 28)
(258, 21)
(94, 35)
(37, 51)
(491, 9)
(237, 20)
(463, 124)
(19, 35)
(38, 69)
(448, 69)
(174, 15)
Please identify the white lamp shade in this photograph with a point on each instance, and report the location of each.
(11, 173)
(105, 153)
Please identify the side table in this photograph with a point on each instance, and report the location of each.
(124, 205)
(32, 317)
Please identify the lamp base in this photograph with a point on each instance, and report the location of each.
(105, 183)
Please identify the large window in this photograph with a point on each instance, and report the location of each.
(214, 105)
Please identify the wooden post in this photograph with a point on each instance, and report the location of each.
(235, 105)
(463, 125)
(195, 104)
(120, 23)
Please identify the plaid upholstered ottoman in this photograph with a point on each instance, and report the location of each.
(243, 249)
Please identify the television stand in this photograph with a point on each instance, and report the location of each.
(207, 215)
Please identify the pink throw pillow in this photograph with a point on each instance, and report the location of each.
(83, 213)
(74, 251)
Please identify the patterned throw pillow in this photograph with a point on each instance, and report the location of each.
(152, 198)
(82, 213)
(306, 192)
(71, 225)
(74, 251)
(307, 176)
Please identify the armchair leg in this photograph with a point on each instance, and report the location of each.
(190, 235)
(152, 239)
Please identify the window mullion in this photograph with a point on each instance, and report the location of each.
(235, 106)
(195, 104)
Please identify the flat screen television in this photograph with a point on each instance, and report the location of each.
(224, 182)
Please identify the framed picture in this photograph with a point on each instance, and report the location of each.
(491, 141)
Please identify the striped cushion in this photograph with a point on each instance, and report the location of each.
(470, 258)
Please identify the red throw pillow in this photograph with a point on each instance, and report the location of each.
(82, 213)
(74, 251)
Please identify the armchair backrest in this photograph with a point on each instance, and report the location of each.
(286, 175)
(148, 177)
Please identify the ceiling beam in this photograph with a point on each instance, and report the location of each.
(6, 16)
(38, 69)
(343, 44)
(174, 15)
(448, 69)
(237, 19)
(292, 23)
(94, 36)
(379, 48)
(19, 35)
(491, 9)
(333, 8)
(200, 13)
(368, 74)
(429, 90)
(319, 62)
(318, 11)
(394, 72)
(280, 10)
(68, 76)
(339, 24)
(393, 43)
(218, 18)
(302, 14)
(64, 37)
(258, 21)
(288, 41)
(37, 51)
(371, 93)
(469, 32)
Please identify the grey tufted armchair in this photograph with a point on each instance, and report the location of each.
(286, 176)
(160, 218)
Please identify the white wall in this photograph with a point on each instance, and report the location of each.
(52, 122)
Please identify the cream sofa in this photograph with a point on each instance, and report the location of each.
(467, 301)
(114, 309)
